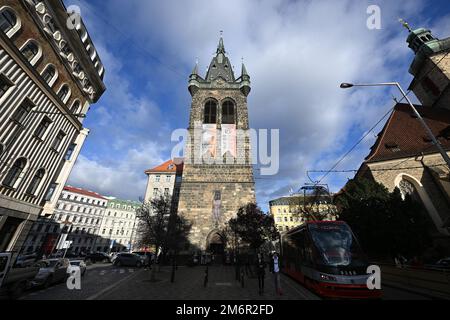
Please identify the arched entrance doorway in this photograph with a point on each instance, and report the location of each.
(215, 244)
(411, 186)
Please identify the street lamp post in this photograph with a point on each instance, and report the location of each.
(425, 126)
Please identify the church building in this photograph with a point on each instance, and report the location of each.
(403, 155)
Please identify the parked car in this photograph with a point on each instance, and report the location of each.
(25, 260)
(146, 257)
(79, 263)
(97, 257)
(13, 281)
(444, 263)
(52, 271)
(128, 259)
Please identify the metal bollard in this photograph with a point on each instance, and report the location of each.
(172, 276)
(205, 282)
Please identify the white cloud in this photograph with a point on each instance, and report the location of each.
(124, 178)
(297, 54)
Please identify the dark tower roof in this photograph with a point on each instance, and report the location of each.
(220, 73)
(220, 65)
(424, 45)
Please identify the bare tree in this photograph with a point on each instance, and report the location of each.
(162, 228)
(153, 217)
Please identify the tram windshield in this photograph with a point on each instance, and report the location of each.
(336, 244)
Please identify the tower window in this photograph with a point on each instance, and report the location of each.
(210, 112)
(14, 173)
(228, 112)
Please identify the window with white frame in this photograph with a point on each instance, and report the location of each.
(49, 74)
(31, 51)
(9, 23)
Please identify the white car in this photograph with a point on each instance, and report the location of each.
(79, 263)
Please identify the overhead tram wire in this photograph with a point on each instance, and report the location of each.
(360, 140)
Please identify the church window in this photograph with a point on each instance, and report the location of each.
(228, 112)
(210, 112)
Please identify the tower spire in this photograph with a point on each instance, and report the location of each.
(195, 70)
(244, 72)
(405, 24)
(221, 47)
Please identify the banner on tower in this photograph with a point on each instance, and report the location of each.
(228, 139)
(209, 140)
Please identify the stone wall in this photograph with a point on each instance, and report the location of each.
(201, 181)
(424, 179)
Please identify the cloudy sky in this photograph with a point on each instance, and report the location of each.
(296, 52)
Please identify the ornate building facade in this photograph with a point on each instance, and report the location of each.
(49, 75)
(217, 175)
(118, 229)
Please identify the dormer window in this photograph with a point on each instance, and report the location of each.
(393, 146)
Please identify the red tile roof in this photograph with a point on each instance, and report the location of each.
(84, 192)
(170, 166)
(403, 135)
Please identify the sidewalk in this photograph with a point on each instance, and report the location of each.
(188, 285)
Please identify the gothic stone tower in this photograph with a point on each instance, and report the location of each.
(217, 176)
(430, 68)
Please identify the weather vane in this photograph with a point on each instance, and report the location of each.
(405, 24)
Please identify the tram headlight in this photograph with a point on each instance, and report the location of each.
(326, 277)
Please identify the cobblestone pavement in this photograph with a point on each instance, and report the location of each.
(188, 285)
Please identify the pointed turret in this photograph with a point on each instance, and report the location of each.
(195, 70)
(221, 47)
(220, 66)
(194, 80)
(245, 81)
(430, 67)
(424, 45)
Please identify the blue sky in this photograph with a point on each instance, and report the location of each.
(296, 52)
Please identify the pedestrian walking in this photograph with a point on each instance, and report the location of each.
(261, 272)
(275, 270)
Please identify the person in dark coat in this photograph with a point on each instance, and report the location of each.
(261, 272)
